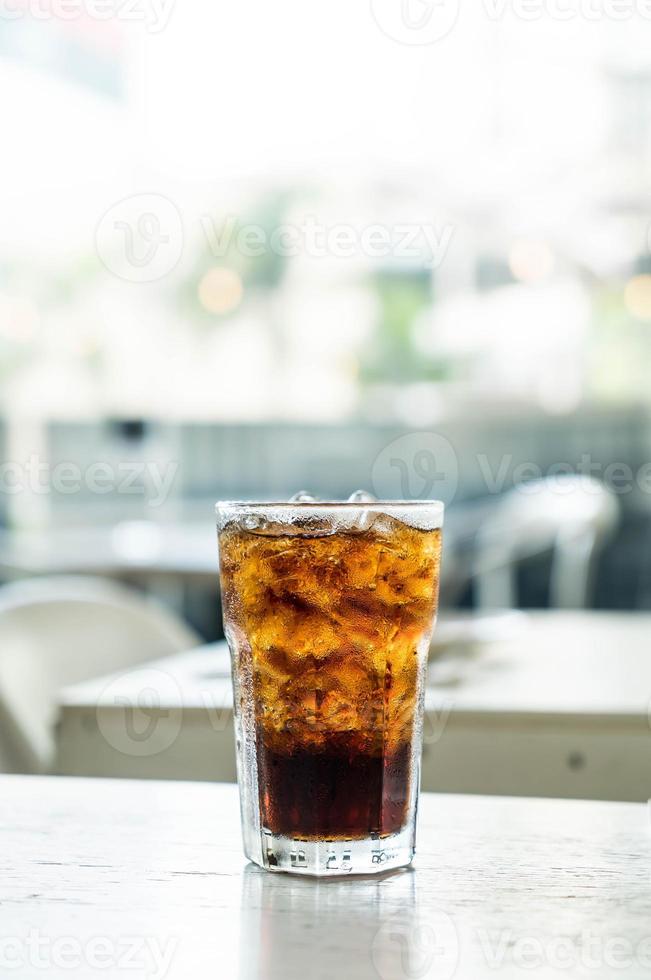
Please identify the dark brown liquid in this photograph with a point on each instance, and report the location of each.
(334, 794)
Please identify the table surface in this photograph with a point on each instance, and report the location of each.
(127, 548)
(98, 874)
(547, 664)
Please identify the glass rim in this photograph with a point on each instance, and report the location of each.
(316, 504)
(424, 514)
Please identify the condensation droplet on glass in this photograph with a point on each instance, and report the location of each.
(303, 497)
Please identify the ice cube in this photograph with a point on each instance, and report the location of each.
(364, 518)
(362, 497)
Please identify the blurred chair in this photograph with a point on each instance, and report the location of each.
(62, 630)
(569, 516)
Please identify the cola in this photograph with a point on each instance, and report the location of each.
(329, 613)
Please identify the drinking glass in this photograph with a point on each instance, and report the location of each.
(328, 613)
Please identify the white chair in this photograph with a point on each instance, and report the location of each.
(569, 516)
(62, 630)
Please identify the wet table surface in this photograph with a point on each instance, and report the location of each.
(119, 878)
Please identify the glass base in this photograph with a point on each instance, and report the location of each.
(373, 855)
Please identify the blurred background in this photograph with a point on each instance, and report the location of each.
(250, 249)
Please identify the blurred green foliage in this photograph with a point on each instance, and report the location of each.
(390, 355)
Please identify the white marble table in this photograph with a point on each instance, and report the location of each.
(108, 879)
(559, 707)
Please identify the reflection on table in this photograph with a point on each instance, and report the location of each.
(499, 886)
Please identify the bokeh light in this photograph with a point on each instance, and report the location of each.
(637, 297)
(220, 290)
(531, 261)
